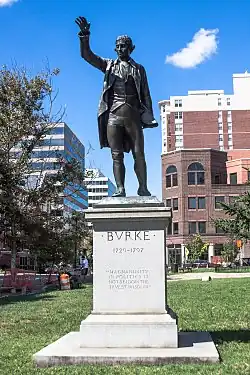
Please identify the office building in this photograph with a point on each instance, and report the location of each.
(98, 186)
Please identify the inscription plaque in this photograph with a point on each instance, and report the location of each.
(129, 275)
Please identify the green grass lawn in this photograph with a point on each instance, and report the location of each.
(221, 307)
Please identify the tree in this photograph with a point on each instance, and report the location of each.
(230, 251)
(27, 115)
(195, 248)
(237, 225)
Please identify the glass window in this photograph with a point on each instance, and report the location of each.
(202, 227)
(219, 101)
(228, 101)
(175, 204)
(192, 227)
(168, 203)
(52, 142)
(201, 203)
(175, 228)
(217, 201)
(196, 174)
(59, 130)
(171, 176)
(178, 103)
(200, 178)
(191, 178)
(191, 203)
(233, 178)
(168, 180)
(178, 115)
(219, 230)
(169, 230)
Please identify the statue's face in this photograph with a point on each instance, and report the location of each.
(122, 49)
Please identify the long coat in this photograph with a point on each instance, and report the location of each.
(141, 83)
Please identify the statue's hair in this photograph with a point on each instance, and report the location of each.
(127, 40)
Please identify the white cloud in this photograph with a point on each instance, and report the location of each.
(202, 47)
(4, 3)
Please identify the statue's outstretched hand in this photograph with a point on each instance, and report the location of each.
(83, 24)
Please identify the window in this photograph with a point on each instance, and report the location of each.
(178, 127)
(233, 178)
(175, 228)
(197, 227)
(175, 204)
(52, 142)
(178, 115)
(201, 203)
(202, 227)
(229, 137)
(218, 201)
(179, 139)
(178, 103)
(163, 108)
(169, 230)
(171, 176)
(228, 101)
(191, 203)
(220, 137)
(219, 230)
(55, 130)
(196, 174)
(219, 101)
(220, 116)
(229, 127)
(220, 126)
(168, 203)
(192, 227)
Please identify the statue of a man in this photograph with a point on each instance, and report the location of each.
(125, 107)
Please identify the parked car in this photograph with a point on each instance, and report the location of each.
(200, 263)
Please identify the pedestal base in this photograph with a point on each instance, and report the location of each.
(194, 347)
(129, 331)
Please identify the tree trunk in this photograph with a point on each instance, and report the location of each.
(13, 254)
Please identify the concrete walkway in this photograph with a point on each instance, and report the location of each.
(213, 275)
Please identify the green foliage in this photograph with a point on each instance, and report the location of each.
(229, 252)
(238, 223)
(27, 218)
(195, 248)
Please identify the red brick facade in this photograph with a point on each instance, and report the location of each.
(200, 129)
(215, 185)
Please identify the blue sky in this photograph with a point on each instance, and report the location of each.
(34, 31)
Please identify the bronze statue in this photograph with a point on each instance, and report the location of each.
(125, 107)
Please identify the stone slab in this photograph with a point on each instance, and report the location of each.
(128, 202)
(129, 331)
(194, 347)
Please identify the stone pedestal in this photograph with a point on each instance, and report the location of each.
(130, 321)
(129, 304)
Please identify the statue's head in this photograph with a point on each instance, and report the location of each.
(124, 46)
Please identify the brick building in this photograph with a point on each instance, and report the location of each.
(194, 182)
(205, 159)
(208, 118)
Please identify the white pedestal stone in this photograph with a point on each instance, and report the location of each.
(130, 321)
(129, 304)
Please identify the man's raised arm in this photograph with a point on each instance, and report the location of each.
(86, 53)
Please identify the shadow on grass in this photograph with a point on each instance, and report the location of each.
(220, 337)
(26, 298)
